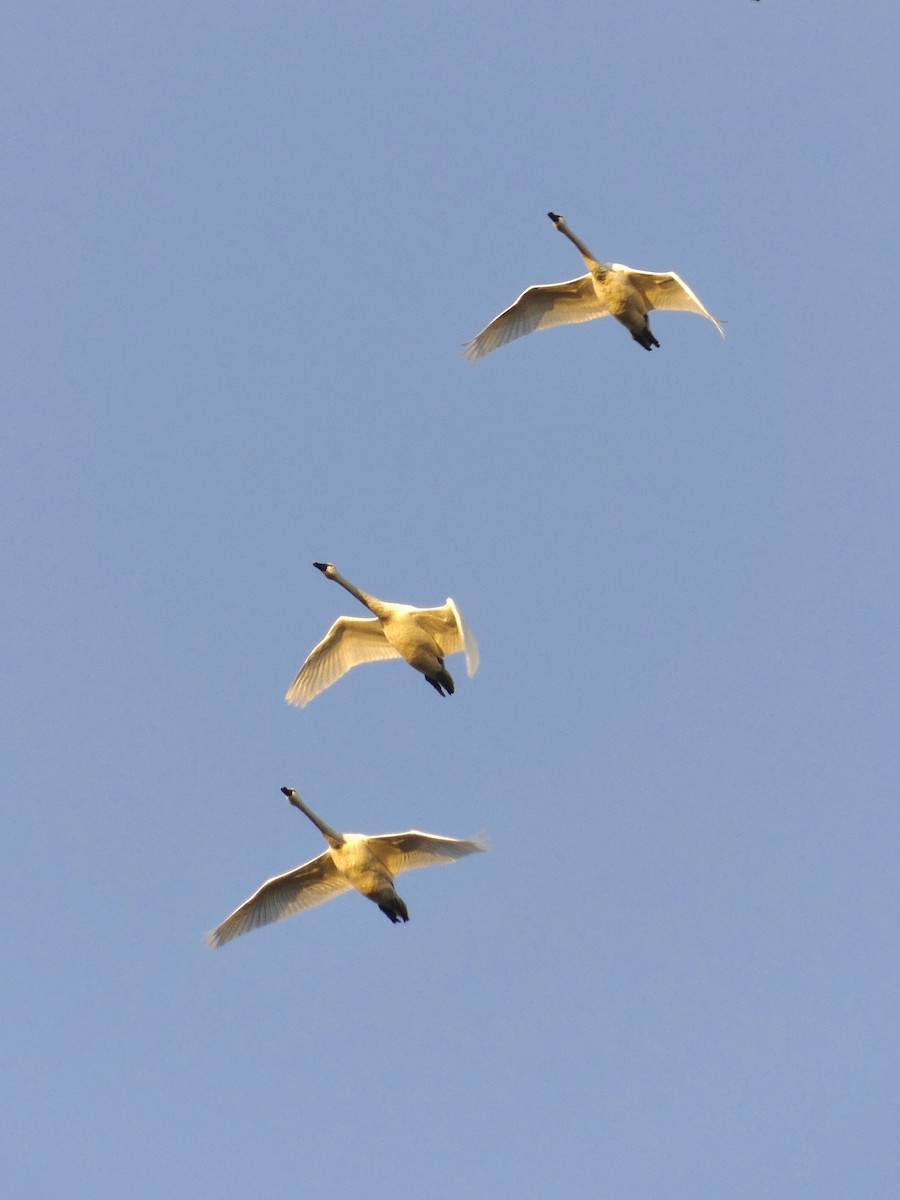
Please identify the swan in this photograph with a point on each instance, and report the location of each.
(423, 636)
(627, 294)
(352, 860)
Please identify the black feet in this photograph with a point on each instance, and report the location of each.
(645, 338)
(393, 908)
(442, 682)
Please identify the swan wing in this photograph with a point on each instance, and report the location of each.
(668, 290)
(404, 851)
(449, 629)
(538, 307)
(281, 896)
(349, 642)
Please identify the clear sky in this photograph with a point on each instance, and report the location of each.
(242, 245)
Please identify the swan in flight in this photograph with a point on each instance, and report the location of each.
(352, 860)
(423, 636)
(627, 294)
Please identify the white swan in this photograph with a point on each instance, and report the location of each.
(352, 860)
(627, 294)
(423, 636)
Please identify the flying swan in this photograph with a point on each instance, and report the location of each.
(352, 860)
(627, 294)
(423, 636)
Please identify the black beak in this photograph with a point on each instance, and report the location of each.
(320, 566)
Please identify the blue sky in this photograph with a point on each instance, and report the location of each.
(242, 248)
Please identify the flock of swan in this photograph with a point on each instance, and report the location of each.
(425, 636)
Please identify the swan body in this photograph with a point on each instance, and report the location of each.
(423, 636)
(625, 293)
(352, 860)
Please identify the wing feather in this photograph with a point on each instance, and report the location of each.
(349, 642)
(450, 630)
(303, 887)
(667, 290)
(405, 851)
(539, 307)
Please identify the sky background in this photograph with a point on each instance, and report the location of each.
(242, 245)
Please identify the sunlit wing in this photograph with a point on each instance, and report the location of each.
(404, 851)
(448, 627)
(280, 897)
(349, 642)
(539, 307)
(668, 290)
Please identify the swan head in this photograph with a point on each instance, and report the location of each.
(327, 569)
(556, 218)
(292, 796)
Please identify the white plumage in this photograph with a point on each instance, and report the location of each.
(608, 288)
(352, 860)
(423, 636)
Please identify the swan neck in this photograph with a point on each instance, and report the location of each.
(590, 259)
(331, 836)
(363, 597)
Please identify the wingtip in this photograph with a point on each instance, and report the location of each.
(295, 697)
(473, 656)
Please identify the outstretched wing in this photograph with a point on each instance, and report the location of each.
(448, 627)
(349, 642)
(668, 290)
(404, 851)
(539, 307)
(280, 897)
